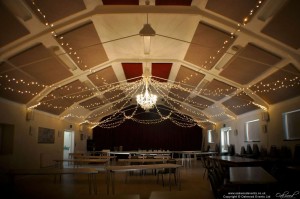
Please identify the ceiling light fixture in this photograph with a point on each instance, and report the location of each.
(147, 100)
(147, 32)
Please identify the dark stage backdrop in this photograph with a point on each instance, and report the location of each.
(133, 136)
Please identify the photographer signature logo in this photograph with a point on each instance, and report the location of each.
(287, 194)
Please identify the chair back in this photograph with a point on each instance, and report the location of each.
(208, 148)
(273, 152)
(285, 152)
(217, 148)
(243, 151)
(263, 152)
(214, 182)
(297, 153)
(206, 162)
(249, 149)
(256, 150)
(231, 149)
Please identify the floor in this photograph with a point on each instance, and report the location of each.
(192, 182)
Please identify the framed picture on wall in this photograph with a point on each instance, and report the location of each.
(46, 135)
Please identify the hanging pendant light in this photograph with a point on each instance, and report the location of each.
(147, 100)
(147, 32)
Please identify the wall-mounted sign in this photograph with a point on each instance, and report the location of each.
(46, 135)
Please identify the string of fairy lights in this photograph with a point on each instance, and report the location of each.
(66, 45)
(162, 88)
(184, 110)
(181, 119)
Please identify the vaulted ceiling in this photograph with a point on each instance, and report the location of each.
(212, 60)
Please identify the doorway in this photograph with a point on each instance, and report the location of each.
(225, 142)
(68, 143)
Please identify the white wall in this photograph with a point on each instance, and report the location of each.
(274, 134)
(27, 151)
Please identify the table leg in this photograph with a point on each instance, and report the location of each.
(178, 178)
(113, 182)
(54, 178)
(170, 179)
(107, 181)
(89, 181)
(189, 156)
(94, 182)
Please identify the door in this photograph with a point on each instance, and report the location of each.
(225, 139)
(68, 143)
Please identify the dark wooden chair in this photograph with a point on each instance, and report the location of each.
(249, 150)
(219, 186)
(206, 164)
(296, 158)
(255, 152)
(231, 150)
(243, 151)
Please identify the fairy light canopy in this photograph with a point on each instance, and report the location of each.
(83, 61)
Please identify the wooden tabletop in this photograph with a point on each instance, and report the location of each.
(250, 175)
(82, 160)
(143, 160)
(125, 168)
(141, 153)
(204, 153)
(187, 152)
(54, 171)
(237, 161)
(93, 157)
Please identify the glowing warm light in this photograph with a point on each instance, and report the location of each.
(147, 100)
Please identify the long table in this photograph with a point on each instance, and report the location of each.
(141, 153)
(111, 170)
(143, 160)
(186, 156)
(237, 161)
(250, 175)
(91, 173)
(79, 162)
(92, 157)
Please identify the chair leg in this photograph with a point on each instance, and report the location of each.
(126, 176)
(162, 177)
(204, 173)
(175, 180)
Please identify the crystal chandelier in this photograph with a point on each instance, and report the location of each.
(147, 100)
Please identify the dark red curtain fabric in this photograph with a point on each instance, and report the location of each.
(133, 136)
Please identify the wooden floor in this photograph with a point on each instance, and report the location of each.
(192, 183)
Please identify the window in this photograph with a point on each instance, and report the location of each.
(210, 136)
(225, 142)
(6, 139)
(252, 130)
(291, 125)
